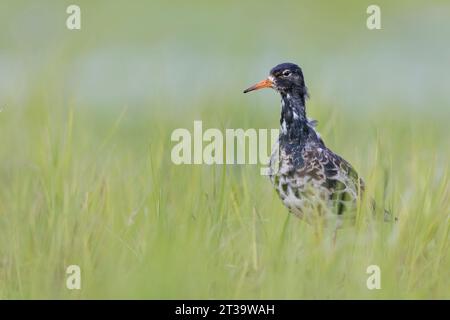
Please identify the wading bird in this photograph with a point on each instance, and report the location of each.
(313, 182)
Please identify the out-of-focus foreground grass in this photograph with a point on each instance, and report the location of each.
(93, 184)
(102, 193)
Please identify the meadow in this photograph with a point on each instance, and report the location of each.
(90, 182)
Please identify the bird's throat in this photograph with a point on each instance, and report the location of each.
(293, 121)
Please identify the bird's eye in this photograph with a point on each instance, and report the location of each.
(286, 73)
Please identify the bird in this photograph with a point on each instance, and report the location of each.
(313, 182)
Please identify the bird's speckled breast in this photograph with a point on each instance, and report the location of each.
(304, 188)
(302, 195)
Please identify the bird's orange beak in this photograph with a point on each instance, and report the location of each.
(266, 83)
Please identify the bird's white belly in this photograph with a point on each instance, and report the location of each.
(302, 196)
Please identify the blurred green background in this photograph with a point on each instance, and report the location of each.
(85, 170)
(184, 54)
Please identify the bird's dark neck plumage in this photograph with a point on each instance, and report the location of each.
(293, 121)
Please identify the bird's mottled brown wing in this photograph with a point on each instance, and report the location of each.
(335, 174)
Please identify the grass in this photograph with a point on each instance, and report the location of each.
(97, 189)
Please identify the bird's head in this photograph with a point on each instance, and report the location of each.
(286, 78)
